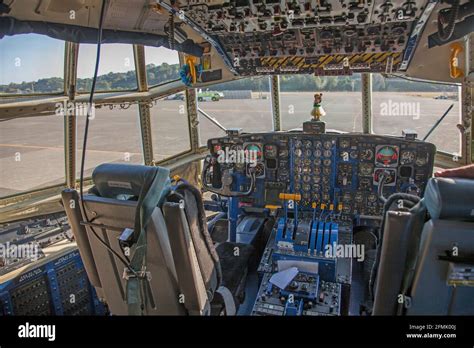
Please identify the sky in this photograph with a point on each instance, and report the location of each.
(30, 57)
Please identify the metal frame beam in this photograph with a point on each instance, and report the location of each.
(366, 89)
(70, 121)
(143, 108)
(275, 94)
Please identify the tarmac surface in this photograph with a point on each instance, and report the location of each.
(32, 149)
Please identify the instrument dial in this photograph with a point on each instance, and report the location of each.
(317, 153)
(327, 153)
(298, 144)
(327, 162)
(318, 144)
(270, 151)
(386, 156)
(366, 154)
(366, 169)
(298, 153)
(308, 144)
(407, 157)
(359, 197)
(344, 143)
(327, 144)
(316, 179)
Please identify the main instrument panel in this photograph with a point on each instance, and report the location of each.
(339, 170)
(318, 187)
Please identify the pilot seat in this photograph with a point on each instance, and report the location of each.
(171, 267)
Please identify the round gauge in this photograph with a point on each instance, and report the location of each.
(327, 153)
(317, 153)
(316, 179)
(344, 143)
(306, 178)
(327, 144)
(317, 162)
(353, 154)
(366, 169)
(308, 144)
(372, 198)
(298, 152)
(270, 151)
(421, 159)
(325, 189)
(298, 144)
(297, 178)
(299, 170)
(326, 171)
(326, 197)
(306, 187)
(252, 149)
(316, 187)
(317, 171)
(297, 186)
(298, 162)
(325, 180)
(318, 144)
(365, 183)
(327, 162)
(358, 197)
(308, 152)
(386, 155)
(306, 169)
(307, 162)
(407, 157)
(283, 153)
(366, 154)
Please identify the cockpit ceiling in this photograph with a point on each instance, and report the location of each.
(326, 37)
(124, 15)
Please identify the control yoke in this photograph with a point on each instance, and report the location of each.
(221, 179)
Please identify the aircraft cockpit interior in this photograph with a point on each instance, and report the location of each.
(236, 157)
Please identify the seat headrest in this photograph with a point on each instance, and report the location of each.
(113, 179)
(450, 198)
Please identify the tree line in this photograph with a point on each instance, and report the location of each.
(167, 72)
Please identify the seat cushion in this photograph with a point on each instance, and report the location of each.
(234, 259)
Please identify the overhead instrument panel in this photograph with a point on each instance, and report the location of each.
(329, 37)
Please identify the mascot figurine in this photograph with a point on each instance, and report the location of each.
(318, 110)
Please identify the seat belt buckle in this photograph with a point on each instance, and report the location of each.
(126, 238)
